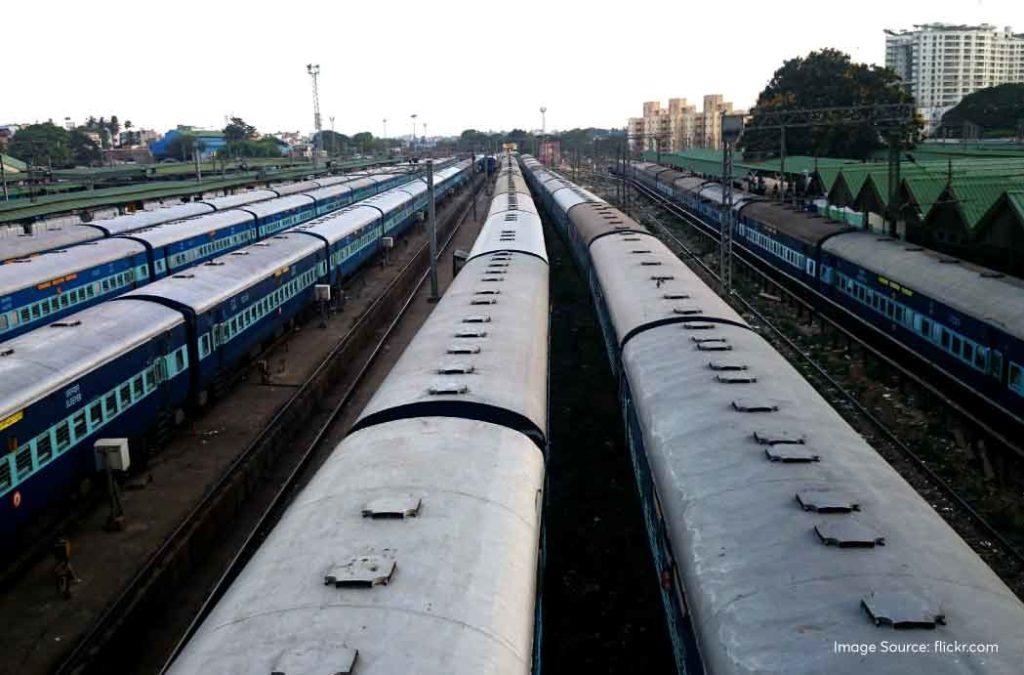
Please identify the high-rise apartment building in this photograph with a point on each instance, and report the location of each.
(679, 126)
(941, 63)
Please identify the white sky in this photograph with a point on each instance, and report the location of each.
(457, 64)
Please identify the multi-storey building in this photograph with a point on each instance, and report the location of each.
(679, 126)
(941, 63)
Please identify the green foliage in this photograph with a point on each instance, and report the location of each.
(997, 110)
(37, 143)
(826, 79)
(334, 143)
(268, 146)
(238, 130)
(363, 142)
(84, 150)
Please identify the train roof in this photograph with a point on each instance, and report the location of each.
(799, 224)
(51, 357)
(455, 585)
(142, 219)
(339, 188)
(512, 201)
(335, 226)
(169, 233)
(644, 283)
(597, 219)
(519, 231)
(272, 206)
(388, 201)
(26, 272)
(771, 582)
(571, 195)
(204, 286)
(286, 189)
(247, 197)
(25, 245)
(497, 309)
(971, 290)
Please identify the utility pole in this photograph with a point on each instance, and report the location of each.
(334, 139)
(732, 130)
(385, 137)
(432, 224)
(413, 144)
(314, 72)
(782, 162)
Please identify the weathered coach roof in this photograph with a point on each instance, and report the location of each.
(28, 272)
(969, 289)
(460, 576)
(50, 357)
(204, 286)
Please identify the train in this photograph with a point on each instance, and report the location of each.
(782, 541)
(416, 546)
(965, 320)
(44, 239)
(132, 252)
(132, 366)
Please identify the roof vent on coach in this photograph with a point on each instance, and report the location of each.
(394, 507)
(825, 501)
(365, 571)
(310, 658)
(902, 610)
(65, 324)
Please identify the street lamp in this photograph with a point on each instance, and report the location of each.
(413, 116)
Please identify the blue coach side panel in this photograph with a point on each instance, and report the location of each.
(107, 371)
(38, 290)
(174, 246)
(235, 302)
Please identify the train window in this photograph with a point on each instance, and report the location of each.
(63, 436)
(111, 404)
(3, 322)
(23, 460)
(995, 364)
(25, 315)
(957, 345)
(137, 386)
(179, 360)
(44, 447)
(944, 338)
(204, 345)
(64, 300)
(979, 359)
(125, 396)
(78, 425)
(926, 328)
(1016, 378)
(95, 414)
(149, 380)
(35, 311)
(968, 351)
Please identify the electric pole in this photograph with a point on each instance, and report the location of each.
(314, 72)
(432, 220)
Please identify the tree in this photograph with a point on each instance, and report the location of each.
(84, 150)
(333, 143)
(238, 130)
(826, 79)
(363, 141)
(998, 110)
(36, 143)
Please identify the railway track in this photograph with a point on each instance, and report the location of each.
(198, 528)
(1003, 555)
